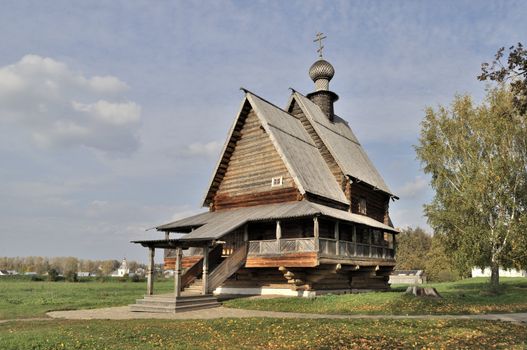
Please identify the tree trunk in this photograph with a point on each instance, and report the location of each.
(494, 275)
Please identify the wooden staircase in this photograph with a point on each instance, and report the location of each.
(228, 267)
(196, 287)
(169, 304)
(191, 297)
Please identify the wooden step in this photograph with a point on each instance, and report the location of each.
(197, 307)
(153, 303)
(180, 301)
(151, 308)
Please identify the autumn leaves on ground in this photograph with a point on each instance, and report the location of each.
(25, 299)
(258, 333)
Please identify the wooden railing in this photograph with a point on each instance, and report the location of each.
(326, 247)
(191, 273)
(281, 246)
(195, 271)
(228, 266)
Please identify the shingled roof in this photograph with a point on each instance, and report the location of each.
(341, 143)
(300, 155)
(213, 225)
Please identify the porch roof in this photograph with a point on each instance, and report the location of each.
(214, 225)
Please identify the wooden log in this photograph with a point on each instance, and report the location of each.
(423, 292)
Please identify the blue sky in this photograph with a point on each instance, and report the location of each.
(112, 113)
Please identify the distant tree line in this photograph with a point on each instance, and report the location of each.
(63, 265)
(418, 250)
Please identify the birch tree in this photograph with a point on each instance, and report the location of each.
(477, 159)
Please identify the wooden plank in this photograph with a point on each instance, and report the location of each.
(289, 260)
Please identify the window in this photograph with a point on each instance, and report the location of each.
(362, 206)
(277, 181)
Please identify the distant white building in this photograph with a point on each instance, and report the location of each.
(477, 272)
(122, 271)
(4, 273)
(168, 273)
(85, 274)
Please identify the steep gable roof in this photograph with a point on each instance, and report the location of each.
(341, 143)
(298, 152)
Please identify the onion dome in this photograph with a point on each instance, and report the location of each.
(321, 73)
(321, 69)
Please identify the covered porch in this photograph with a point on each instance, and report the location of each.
(204, 274)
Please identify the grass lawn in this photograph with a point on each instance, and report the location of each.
(464, 297)
(21, 298)
(262, 334)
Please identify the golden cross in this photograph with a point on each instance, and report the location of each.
(319, 37)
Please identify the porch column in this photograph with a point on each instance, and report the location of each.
(337, 237)
(205, 277)
(278, 234)
(316, 232)
(354, 238)
(394, 244)
(177, 273)
(150, 272)
(246, 232)
(370, 240)
(167, 235)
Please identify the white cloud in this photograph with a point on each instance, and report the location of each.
(209, 149)
(414, 188)
(111, 113)
(107, 84)
(59, 107)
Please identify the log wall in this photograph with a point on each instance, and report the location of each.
(376, 201)
(252, 165)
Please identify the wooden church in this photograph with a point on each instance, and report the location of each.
(295, 207)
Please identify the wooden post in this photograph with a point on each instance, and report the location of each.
(278, 234)
(246, 232)
(177, 273)
(205, 277)
(167, 235)
(354, 238)
(316, 232)
(370, 240)
(394, 245)
(150, 272)
(337, 238)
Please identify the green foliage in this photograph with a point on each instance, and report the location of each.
(477, 157)
(513, 72)
(53, 275)
(262, 333)
(417, 250)
(461, 297)
(412, 248)
(438, 265)
(37, 278)
(71, 276)
(136, 278)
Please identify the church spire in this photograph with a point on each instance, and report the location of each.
(321, 72)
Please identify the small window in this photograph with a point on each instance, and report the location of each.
(277, 181)
(362, 206)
